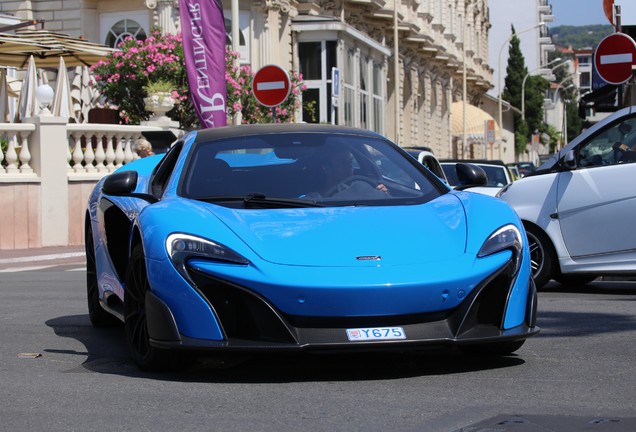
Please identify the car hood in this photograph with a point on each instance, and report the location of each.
(352, 236)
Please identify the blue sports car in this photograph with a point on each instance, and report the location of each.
(301, 237)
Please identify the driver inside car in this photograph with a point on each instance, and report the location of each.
(338, 168)
(339, 179)
(626, 146)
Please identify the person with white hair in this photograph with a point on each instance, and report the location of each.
(144, 148)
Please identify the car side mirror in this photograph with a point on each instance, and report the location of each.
(120, 183)
(569, 160)
(470, 175)
(123, 183)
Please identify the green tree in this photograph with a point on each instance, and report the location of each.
(555, 137)
(575, 123)
(534, 94)
(536, 89)
(515, 72)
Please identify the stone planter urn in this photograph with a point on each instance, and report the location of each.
(159, 104)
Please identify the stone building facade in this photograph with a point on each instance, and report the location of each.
(442, 48)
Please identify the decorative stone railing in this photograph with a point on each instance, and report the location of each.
(15, 156)
(111, 147)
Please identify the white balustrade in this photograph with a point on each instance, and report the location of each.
(94, 150)
(99, 149)
(15, 156)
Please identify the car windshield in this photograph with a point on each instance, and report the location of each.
(297, 169)
(451, 174)
(525, 168)
(496, 175)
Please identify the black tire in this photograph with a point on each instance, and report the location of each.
(573, 279)
(143, 353)
(494, 349)
(542, 255)
(98, 316)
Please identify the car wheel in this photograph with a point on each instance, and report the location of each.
(144, 354)
(494, 349)
(569, 279)
(98, 316)
(541, 255)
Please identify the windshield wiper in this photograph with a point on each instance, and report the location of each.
(260, 200)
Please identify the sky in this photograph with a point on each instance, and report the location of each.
(578, 12)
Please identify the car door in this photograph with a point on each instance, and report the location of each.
(596, 202)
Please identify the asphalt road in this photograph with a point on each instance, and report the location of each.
(59, 374)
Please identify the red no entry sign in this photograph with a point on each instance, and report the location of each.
(271, 85)
(614, 57)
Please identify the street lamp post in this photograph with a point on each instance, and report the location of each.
(554, 101)
(500, 71)
(523, 83)
(556, 92)
(464, 85)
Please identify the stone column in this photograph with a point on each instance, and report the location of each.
(49, 148)
(270, 44)
(165, 14)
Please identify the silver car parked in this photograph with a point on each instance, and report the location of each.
(578, 208)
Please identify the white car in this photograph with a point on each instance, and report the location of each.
(497, 175)
(578, 208)
(425, 156)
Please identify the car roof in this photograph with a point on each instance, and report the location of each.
(520, 164)
(270, 128)
(417, 152)
(419, 148)
(474, 161)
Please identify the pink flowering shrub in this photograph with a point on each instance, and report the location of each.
(240, 97)
(121, 79)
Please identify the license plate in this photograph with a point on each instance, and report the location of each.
(375, 333)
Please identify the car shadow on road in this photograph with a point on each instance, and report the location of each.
(590, 322)
(560, 324)
(106, 353)
(599, 286)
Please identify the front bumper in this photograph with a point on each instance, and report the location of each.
(250, 323)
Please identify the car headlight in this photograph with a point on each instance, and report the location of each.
(507, 237)
(182, 247)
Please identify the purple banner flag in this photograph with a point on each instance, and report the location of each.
(203, 32)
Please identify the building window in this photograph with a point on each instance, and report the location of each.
(348, 87)
(315, 60)
(244, 34)
(362, 64)
(585, 80)
(364, 93)
(378, 97)
(115, 27)
(124, 29)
